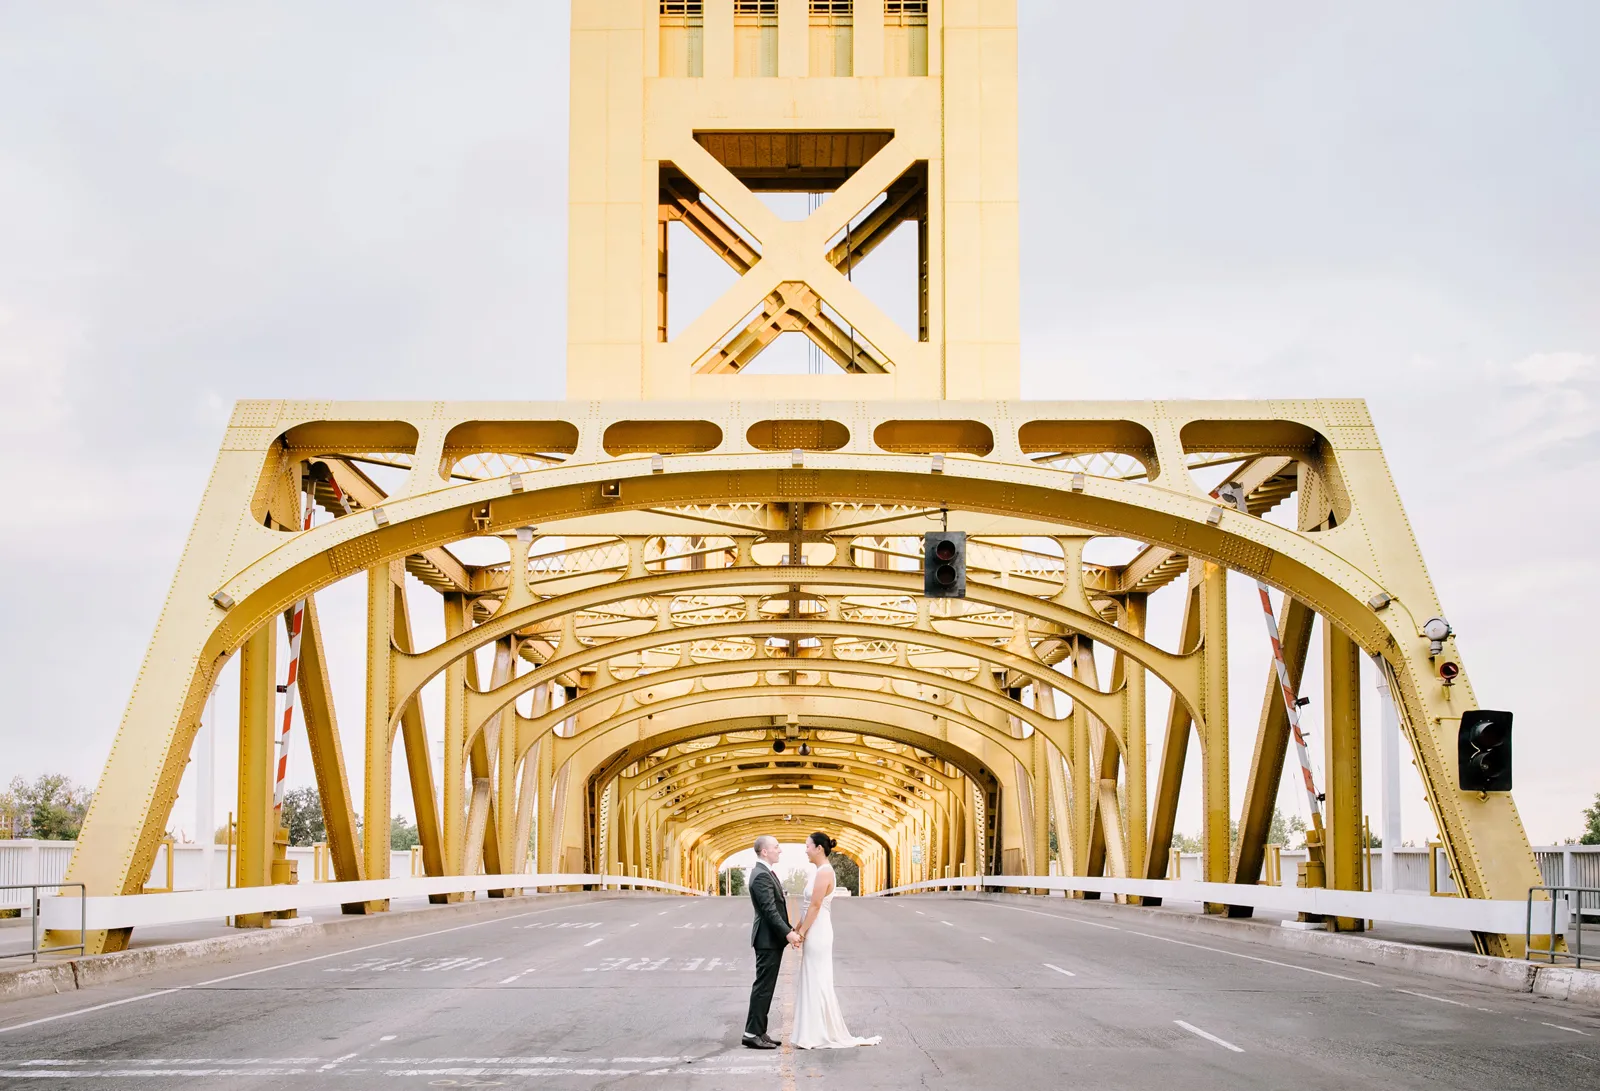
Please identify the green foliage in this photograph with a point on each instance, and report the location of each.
(49, 809)
(794, 883)
(1591, 816)
(1184, 843)
(847, 871)
(732, 881)
(302, 816)
(1289, 832)
(402, 834)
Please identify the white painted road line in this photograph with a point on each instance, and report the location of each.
(279, 966)
(1268, 961)
(1570, 1030)
(1060, 917)
(592, 942)
(986, 939)
(947, 924)
(1440, 999)
(1059, 970)
(1192, 1029)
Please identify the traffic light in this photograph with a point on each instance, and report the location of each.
(944, 564)
(1484, 751)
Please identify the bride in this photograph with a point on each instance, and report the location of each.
(818, 1021)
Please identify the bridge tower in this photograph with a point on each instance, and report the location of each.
(893, 112)
(707, 619)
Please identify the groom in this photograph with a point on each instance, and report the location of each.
(768, 935)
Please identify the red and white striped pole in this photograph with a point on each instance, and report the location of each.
(297, 617)
(1233, 493)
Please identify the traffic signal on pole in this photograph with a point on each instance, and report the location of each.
(1484, 750)
(944, 564)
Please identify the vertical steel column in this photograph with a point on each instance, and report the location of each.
(1214, 732)
(510, 856)
(1272, 744)
(1135, 611)
(455, 740)
(380, 704)
(414, 737)
(1341, 741)
(1174, 746)
(1390, 743)
(258, 706)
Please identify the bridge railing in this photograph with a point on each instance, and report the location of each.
(143, 910)
(1504, 916)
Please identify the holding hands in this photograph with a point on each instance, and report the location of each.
(796, 939)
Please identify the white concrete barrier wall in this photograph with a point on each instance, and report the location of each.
(1473, 914)
(143, 910)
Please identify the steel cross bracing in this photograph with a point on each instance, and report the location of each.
(671, 621)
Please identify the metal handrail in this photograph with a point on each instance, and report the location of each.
(1558, 894)
(34, 950)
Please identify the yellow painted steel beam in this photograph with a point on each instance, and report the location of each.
(1216, 849)
(1341, 758)
(419, 761)
(1272, 746)
(327, 754)
(258, 715)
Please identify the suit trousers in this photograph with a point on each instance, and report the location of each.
(768, 960)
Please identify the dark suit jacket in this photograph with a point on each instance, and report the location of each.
(771, 927)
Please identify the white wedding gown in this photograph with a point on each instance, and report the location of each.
(818, 1020)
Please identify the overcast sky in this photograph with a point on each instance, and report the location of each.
(205, 202)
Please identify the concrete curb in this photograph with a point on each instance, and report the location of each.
(82, 973)
(1556, 982)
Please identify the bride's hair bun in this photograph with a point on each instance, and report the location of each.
(823, 842)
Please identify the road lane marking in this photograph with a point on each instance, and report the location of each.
(986, 939)
(1268, 961)
(510, 979)
(337, 1061)
(1059, 917)
(592, 942)
(1059, 970)
(1571, 1030)
(278, 966)
(1440, 999)
(1192, 1029)
(947, 924)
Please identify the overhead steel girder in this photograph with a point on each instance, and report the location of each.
(830, 668)
(620, 744)
(714, 778)
(676, 773)
(1180, 673)
(720, 840)
(820, 811)
(1016, 747)
(483, 706)
(684, 804)
(262, 572)
(667, 730)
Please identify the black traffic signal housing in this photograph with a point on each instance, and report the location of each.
(1484, 751)
(944, 564)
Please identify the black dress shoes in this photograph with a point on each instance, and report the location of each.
(759, 1043)
(773, 1042)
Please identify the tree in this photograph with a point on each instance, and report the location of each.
(847, 871)
(794, 883)
(302, 816)
(402, 834)
(49, 809)
(1591, 816)
(733, 881)
(1284, 831)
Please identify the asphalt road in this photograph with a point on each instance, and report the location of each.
(649, 992)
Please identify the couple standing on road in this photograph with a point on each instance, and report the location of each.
(818, 1019)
